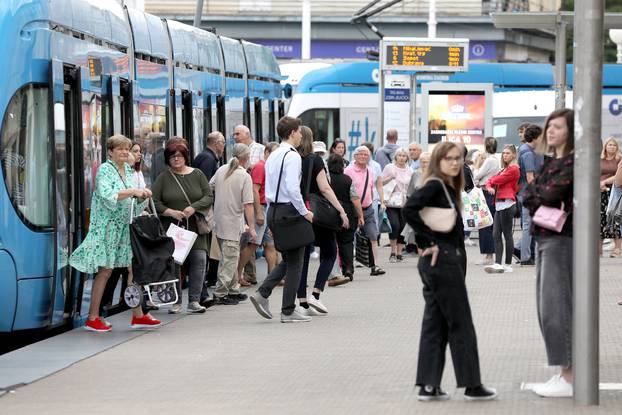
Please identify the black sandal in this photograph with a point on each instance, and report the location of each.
(377, 271)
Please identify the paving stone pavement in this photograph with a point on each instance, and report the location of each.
(359, 359)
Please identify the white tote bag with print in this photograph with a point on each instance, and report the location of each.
(184, 240)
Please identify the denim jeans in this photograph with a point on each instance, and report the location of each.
(554, 276)
(525, 240)
(447, 320)
(196, 261)
(486, 243)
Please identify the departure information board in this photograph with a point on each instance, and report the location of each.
(425, 55)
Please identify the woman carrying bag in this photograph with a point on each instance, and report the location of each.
(433, 211)
(395, 179)
(179, 192)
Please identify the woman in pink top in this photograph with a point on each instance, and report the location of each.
(609, 160)
(395, 178)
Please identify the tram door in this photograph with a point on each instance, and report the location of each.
(65, 83)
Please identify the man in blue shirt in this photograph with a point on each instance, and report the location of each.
(529, 163)
(207, 160)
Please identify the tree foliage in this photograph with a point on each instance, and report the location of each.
(609, 56)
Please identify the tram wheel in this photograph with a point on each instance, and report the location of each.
(133, 295)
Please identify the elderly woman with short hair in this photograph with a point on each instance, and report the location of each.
(396, 177)
(107, 244)
(178, 193)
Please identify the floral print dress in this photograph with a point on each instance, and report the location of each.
(107, 244)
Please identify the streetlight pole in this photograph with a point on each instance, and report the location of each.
(560, 63)
(588, 61)
(198, 13)
(306, 29)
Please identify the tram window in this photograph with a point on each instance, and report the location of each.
(197, 131)
(26, 155)
(92, 143)
(323, 122)
(151, 137)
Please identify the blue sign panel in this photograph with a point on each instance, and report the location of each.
(482, 50)
(396, 95)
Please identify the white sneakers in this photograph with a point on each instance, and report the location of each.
(309, 312)
(494, 269)
(498, 269)
(556, 387)
(317, 305)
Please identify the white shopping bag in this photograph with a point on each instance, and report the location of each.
(184, 240)
(475, 212)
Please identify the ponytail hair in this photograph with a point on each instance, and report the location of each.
(240, 151)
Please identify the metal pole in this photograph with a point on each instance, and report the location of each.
(588, 60)
(432, 19)
(560, 63)
(198, 13)
(381, 75)
(413, 109)
(306, 29)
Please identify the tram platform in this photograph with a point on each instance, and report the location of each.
(359, 359)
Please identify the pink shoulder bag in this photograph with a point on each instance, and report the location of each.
(550, 218)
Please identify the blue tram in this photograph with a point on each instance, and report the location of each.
(75, 73)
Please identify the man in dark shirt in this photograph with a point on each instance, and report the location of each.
(207, 160)
(529, 163)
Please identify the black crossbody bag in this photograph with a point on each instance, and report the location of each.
(290, 230)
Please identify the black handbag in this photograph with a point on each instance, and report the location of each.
(324, 213)
(363, 252)
(290, 230)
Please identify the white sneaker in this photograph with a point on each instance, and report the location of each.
(494, 269)
(556, 387)
(295, 317)
(507, 268)
(309, 312)
(484, 261)
(317, 304)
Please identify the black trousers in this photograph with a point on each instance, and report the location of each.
(502, 230)
(345, 245)
(447, 320)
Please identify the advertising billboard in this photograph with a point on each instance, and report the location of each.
(460, 113)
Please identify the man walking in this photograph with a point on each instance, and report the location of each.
(286, 156)
(384, 155)
(232, 201)
(363, 180)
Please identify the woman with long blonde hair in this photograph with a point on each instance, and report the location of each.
(442, 268)
(504, 186)
(609, 160)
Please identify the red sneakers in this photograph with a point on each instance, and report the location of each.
(144, 322)
(96, 325)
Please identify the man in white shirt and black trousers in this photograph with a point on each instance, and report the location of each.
(288, 129)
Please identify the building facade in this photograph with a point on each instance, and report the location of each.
(277, 24)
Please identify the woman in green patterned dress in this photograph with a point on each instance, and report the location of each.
(107, 244)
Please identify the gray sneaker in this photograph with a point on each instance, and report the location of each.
(261, 305)
(295, 317)
(195, 308)
(175, 309)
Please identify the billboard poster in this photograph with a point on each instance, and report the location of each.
(457, 116)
